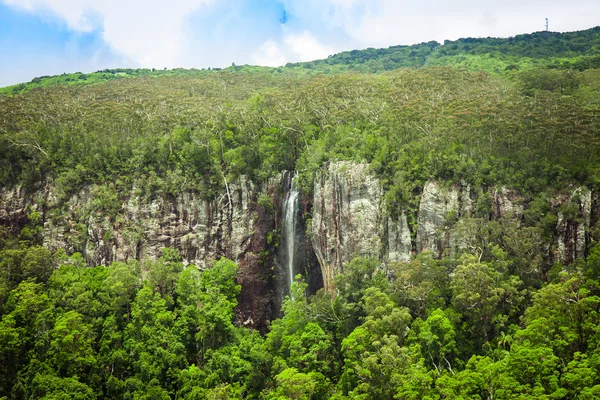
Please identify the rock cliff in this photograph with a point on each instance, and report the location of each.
(348, 218)
(233, 226)
(438, 210)
(574, 222)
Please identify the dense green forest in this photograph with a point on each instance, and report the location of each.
(440, 329)
(504, 322)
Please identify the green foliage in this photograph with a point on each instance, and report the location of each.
(107, 333)
(421, 285)
(553, 50)
(492, 321)
(210, 128)
(571, 50)
(373, 352)
(264, 201)
(437, 340)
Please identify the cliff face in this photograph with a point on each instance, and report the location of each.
(232, 226)
(305, 259)
(399, 241)
(349, 219)
(346, 219)
(438, 208)
(573, 227)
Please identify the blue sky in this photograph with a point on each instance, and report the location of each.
(47, 37)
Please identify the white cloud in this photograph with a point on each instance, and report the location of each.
(269, 55)
(382, 23)
(73, 12)
(202, 33)
(146, 32)
(306, 47)
(293, 47)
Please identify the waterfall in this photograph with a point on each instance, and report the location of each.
(290, 228)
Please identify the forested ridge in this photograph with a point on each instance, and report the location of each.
(500, 320)
(569, 50)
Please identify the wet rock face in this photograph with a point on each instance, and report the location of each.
(306, 262)
(258, 303)
(346, 220)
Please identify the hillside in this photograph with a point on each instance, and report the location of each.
(440, 205)
(570, 50)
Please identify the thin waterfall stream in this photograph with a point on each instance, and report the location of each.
(290, 228)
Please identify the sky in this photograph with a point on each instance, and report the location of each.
(49, 37)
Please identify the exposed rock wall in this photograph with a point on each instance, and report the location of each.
(399, 240)
(306, 262)
(349, 219)
(438, 210)
(232, 226)
(15, 203)
(201, 230)
(506, 203)
(573, 226)
(346, 218)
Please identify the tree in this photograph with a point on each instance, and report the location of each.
(358, 275)
(421, 285)
(295, 385)
(482, 296)
(373, 352)
(436, 338)
(152, 342)
(71, 351)
(163, 273)
(564, 317)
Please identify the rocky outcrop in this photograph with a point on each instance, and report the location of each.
(15, 205)
(305, 260)
(232, 225)
(202, 230)
(349, 219)
(506, 203)
(573, 226)
(346, 219)
(399, 240)
(438, 211)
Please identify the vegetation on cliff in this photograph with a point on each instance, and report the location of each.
(502, 321)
